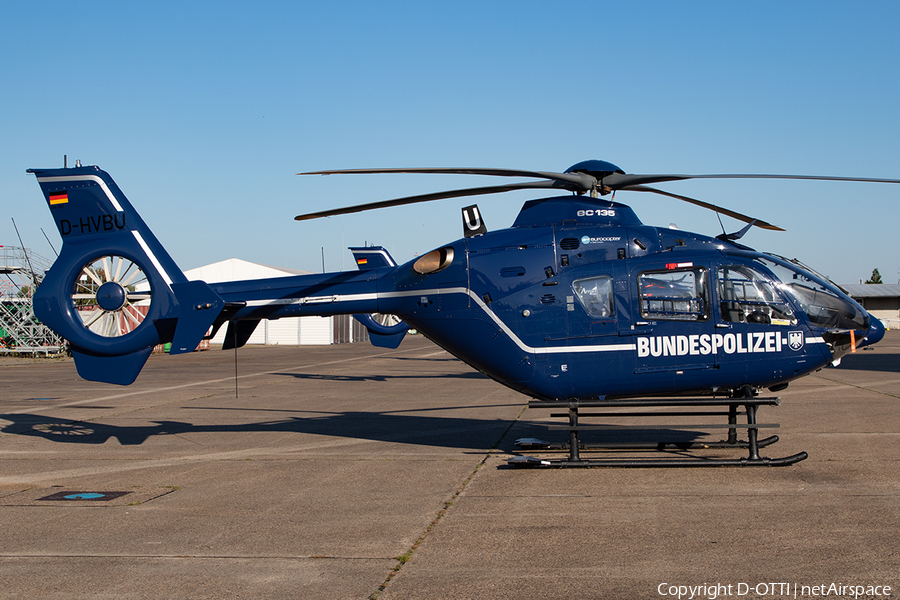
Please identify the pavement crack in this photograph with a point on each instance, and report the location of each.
(405, 557)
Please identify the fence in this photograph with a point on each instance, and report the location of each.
(21, 271)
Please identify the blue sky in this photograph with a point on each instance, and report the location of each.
(204, 111)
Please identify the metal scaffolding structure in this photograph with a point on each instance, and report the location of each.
(21, 271)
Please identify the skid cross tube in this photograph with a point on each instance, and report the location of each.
(574, 446)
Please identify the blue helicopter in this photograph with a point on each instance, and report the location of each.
(578, 301)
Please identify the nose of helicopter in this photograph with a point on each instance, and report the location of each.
(876, 332)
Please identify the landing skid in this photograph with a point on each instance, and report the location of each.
(536, 445)
(531, 461)
(575, 446)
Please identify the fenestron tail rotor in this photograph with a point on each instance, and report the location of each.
(596, 177)
(111, 295)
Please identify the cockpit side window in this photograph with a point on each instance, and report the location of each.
(674, 295)
(595, 295)
(747, 296)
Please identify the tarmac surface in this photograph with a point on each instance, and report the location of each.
(356, 472)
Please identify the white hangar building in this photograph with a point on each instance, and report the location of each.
(287, 331)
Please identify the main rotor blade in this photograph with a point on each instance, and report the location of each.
(581, 181)
(585, 182)
(718, 209)
(427, 198)
(576, 181)
(617, 181)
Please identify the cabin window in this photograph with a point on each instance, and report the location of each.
(680, 294)
(747, 296)
(595, 295)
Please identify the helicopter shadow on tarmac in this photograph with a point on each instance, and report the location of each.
(405, 427)
(362, 378)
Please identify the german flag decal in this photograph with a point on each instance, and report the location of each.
(362, 261)
(57, 198)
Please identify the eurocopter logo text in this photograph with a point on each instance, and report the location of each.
(702, 345)
(597, 240)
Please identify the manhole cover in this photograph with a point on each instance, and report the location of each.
(82, 496)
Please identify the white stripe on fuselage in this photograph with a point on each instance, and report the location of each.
(330, 299)
(334, 298)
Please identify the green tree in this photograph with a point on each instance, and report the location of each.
(875, 278)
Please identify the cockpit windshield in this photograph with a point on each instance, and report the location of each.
(822, 303)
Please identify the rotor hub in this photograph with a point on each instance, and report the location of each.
(595, 168)
(111, 296)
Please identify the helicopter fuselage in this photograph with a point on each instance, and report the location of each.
(579, 299)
